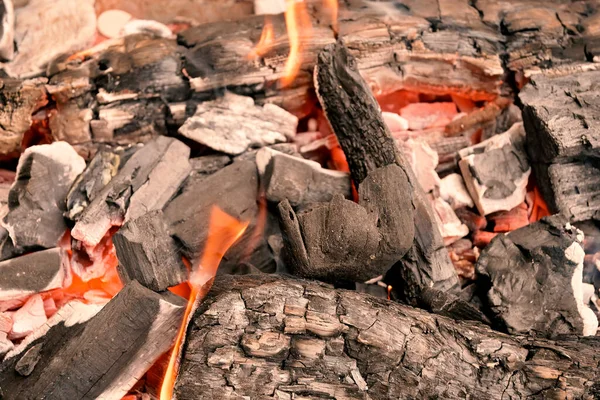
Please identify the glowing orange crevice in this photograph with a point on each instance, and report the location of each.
(224, 231)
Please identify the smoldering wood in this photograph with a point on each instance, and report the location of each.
(148, 254)
(102, 357)
(517, 270)
(37, 198)
(33, 273)
(272, 337)
(101, 169)
(356, 119)
(233, 124)
(301, 181)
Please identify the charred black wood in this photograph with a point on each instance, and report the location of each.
(368, 145)
(98, 357)
(33, 273)
(37, 198)
(316, 341)
(517, 270)
(148, 254)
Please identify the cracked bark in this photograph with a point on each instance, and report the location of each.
(268, 337)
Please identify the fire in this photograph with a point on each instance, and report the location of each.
(299, 28)
(266, 40)
(224, 231)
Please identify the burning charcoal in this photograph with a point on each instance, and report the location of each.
(496, 171)
(95, 177)
(534, 278)
(6, 322)
(300, 181)
(506, 221)
(146, 182)
(148, 254)
(107, 352)
(482, 238)
(7, 16)
(28, 318)
(453, 191)
(5, 345)
(395, 122)
(29, 360)
(45, 29)
(423, 161)
(291, 149)
(234, 189)
(481, 118)
(473, 221)
(234, 123)
(33, 273)
(427, 115)
(451, 228)
(37, 198)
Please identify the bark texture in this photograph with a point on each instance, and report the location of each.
(267, 337)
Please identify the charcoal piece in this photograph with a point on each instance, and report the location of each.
(33, 273)
(146, 182)
(496, 171)
(561, 116)
(234, 189)
(233, 123)
(37, 198)
(423, 161)
(29, 360)
(106, 354)
(7, 30)
(450, 226)
(207, 165)
(291, 149)
(532, 280)
(300, 181)
(148, 254)
(368, 145)
(101, 169)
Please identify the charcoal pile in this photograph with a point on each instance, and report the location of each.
(393, 200)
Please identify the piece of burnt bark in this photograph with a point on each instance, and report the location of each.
(315, 341)
(33, 273)
(368, 145)
(300, 181)
(37, 198)
(101, 169)
(106, 354)
(146, 182)
(496, 171)
(532, 280)
(148, 254)
(233, 123)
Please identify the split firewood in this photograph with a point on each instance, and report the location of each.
(7, 16)
(496, 171)
(37, 198)
(107, 353)
(387, 186)
(146, 182)
(517, 269)
(233, 123)
(33, 273)
(316, 341)
(300, 181)
(148, 254)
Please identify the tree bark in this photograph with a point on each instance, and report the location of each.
(267, 337)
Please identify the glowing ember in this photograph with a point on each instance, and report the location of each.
(299, 29)
(266, 40)
(224, 231)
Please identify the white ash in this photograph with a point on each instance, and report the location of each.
(147, 26)
(575, 254)
(423, 160)
(454, 191)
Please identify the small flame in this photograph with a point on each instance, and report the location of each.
(267, 37)
(299, 28)
(224, 231)
(332, 6)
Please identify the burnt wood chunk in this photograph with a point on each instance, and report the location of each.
(368, 145)
(318, 342)
(300, 181)
(36, 200)
(101, 357)
(496, 171)
(562, 116)
(233, 124)
(33, 273)
(234, 189)
(148, 254)
(532, 278)
(101, 169)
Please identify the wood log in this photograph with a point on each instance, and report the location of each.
(276, 338)
(98, 357)
(368, 145)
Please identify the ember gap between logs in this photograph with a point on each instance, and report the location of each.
(291, 200)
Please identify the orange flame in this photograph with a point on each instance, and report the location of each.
(267, 37)
(299, 28)
(224, 231)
